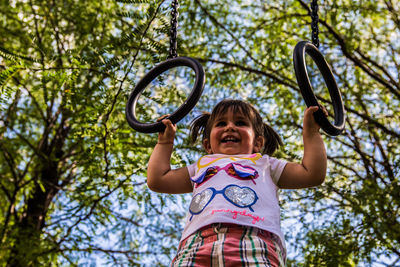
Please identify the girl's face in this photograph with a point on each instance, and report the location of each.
(233, 134)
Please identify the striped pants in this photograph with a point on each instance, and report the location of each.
(230, 245)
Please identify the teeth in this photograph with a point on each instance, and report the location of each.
(230, 139)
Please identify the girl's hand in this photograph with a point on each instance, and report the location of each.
(160, 176)
(309, 123)
(312, 170)
(168, 135)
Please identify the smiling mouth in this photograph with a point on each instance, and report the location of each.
(230, 139)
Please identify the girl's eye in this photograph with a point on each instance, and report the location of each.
(241, 123)
(220, 124)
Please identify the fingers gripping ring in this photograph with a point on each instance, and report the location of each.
(182, 111)
(306, 89)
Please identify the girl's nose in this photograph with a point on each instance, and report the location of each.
(230, 126)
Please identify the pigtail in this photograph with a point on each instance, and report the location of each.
(198, 126)
(272, 140)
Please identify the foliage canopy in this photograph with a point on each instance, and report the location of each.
(72, 173)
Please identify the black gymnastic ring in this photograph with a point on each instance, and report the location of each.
(182, 111)
(307, 91)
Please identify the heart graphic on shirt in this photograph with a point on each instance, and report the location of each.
(200, 201)
(240, 196)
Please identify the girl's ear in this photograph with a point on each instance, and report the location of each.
(207, 146)
(258, 144)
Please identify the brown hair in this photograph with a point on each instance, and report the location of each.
(202, 124)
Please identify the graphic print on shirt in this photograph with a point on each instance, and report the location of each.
(242, 197)
(235, 170)
(208, 160)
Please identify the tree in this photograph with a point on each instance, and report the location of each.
(72, 171)
(67, 157)
(352, 218)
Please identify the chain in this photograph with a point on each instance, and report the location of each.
(173, 31)
(314, 23)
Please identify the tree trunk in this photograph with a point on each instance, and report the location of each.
(27, 248)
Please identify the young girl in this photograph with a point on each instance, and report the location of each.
(234, 216)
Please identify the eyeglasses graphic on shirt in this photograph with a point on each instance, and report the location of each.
(235, 170)
(242, 197)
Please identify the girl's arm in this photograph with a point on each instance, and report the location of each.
(312, 170)
(160, 177)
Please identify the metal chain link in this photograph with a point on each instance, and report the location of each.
(173, 30)
(314, 23)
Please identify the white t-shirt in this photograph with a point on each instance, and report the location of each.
(238, 189)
